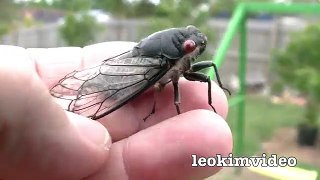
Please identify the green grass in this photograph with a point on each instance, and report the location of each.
(262, 119)
(309, 167)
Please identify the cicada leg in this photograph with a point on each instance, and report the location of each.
(157, 88)
(153, 110)
(206, 64)
(193, 75)
(197, 76)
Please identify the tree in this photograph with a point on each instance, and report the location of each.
(298, 67)
(36, 4)
(72, 5)
(79, 27)
(8, 10)
(126, 9)
(117, 8)
(79, 30)
(225, 6)
(142, 8)
(228, 6)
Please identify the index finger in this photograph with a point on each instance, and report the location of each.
(54, 63)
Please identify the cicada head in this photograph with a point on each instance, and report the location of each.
(196, 43)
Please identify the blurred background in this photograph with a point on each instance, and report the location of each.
(283, 67)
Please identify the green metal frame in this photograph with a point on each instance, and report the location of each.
(238, 24)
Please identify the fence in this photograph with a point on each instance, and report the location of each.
(265, 35)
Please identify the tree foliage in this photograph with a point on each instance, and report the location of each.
(115, 7)
(70, 5)
(142, 8)
(228, 6)
(298, 66)
(8, 12)
(225, 6)
(126, 9)
(79, 30)
(36, 4)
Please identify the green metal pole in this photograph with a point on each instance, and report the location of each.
(243, 8)
(238, 22)
(235, 100)
(227, 38)
(239, 148)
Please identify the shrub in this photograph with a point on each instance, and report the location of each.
(298, 66)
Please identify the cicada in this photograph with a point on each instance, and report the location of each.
(157, 60)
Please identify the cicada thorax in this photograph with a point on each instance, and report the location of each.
(167, 43)
(176, 47)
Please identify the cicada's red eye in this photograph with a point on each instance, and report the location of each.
(189, 46)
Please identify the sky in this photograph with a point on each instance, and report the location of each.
(155, 1)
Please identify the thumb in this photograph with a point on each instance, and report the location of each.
(38, 140)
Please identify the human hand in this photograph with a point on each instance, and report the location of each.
(39, 140)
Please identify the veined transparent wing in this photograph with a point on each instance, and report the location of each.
(97, 91)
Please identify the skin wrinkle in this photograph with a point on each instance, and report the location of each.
(124, 157)
(37, 68)
(4, 134)
(34, 63)
(45, 72)
(82, 59)
(138, 119)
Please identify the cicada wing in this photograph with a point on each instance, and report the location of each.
(100, 90)
(67, 89)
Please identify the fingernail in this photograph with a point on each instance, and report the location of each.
(92, 130)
